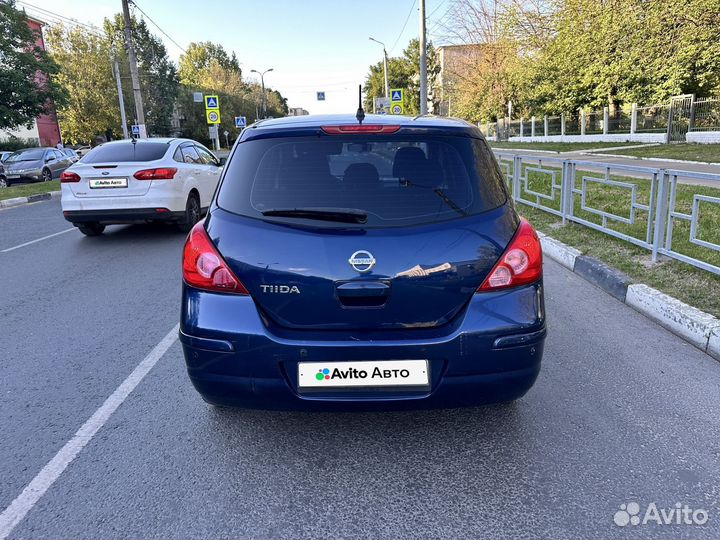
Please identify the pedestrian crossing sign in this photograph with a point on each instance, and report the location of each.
(212, 102)
(396, 94)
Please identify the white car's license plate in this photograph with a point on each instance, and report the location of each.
(363, 374)
(96, 183)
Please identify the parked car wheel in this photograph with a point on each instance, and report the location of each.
(91, 229)
(46, 175)
(192, 213)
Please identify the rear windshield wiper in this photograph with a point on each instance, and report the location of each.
(439, 192)
(341, 215)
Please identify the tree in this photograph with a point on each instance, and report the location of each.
(158, 75)
(86, 75)
(28, 86)
(208, 65)
(562, 55)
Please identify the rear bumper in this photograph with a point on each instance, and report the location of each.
(122, 215)
(490, 353)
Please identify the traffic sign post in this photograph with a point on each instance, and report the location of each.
(212, 113)
(138, 131)
(397, 103)
(382, 105)
(240, 122)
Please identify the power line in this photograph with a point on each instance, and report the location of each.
(56, 18)
(157, 26)
(435, 10)
(403, 28)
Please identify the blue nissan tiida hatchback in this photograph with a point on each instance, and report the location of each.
(362, 265)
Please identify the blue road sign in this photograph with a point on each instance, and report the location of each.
(321, 96)
(211, 102)
(396, 95)
(240, 122)
(135, 129)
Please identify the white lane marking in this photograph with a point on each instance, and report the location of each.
(32, 493)
(37, 240)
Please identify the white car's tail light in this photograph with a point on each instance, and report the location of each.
(160, 173)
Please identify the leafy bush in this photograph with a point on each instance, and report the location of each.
(17, 143)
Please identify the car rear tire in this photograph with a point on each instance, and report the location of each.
(47, 175)
(192, 213)
(91, 229)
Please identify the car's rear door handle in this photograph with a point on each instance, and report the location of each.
(363, 288)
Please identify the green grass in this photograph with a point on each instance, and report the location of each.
(686, 151)
(680, 280)
(558, 146)
(25, 190)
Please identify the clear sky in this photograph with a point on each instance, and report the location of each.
(311, 45)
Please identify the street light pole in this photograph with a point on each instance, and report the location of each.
(423, 61)
(385, 66)
(262, 82)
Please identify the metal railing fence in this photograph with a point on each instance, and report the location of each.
(656, 209)
(706, 115)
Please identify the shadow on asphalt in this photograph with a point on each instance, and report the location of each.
(484, 420)
(120, 234)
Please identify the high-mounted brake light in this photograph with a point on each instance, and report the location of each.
(69, 177)
(521, 263)
(359, 128)
(204, 267)
(161, 173)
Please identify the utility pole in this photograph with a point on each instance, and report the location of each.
(134, 70)
(116, 72)
(423, 61)
(385, 66)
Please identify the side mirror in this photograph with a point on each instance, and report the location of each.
(223, 161)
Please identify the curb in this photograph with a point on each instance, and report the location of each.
(694, 326)
(19, 201)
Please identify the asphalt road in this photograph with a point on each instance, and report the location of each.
(623, 411)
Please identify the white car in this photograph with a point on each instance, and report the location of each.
(140, 181)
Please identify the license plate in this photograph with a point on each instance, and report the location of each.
(318, 375)
(96, 183)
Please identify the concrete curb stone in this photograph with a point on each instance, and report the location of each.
(19, 201)
(691, 324)
(609, 279)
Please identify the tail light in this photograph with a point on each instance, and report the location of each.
(68, 177)
(521, 263)
(359, 128)
(161, 173)
(204, 267)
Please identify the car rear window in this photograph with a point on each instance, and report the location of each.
(119, 152)
(397, 180)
